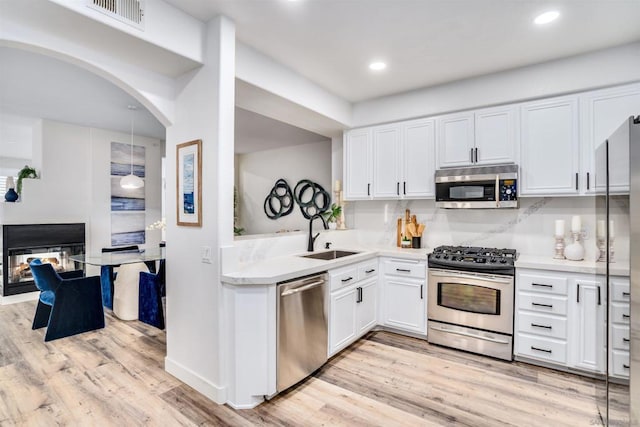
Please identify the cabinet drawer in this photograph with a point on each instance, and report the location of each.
(620, 313)
(539, 324)
(343, 277)
(620, 289)
(542, 303)
(404, 268)
(540, 282)
(542, 348)
(620, 337)
(620, 362)
(368, 269)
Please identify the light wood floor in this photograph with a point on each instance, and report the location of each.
(115, 376)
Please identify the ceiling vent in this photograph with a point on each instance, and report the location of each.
(128, 11)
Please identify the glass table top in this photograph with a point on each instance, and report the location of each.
(119, 258)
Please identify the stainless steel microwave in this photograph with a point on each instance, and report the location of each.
(482, 187)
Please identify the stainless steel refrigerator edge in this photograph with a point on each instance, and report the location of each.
(618, 158)
(634, 217)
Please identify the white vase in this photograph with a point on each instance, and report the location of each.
(574, 251)
(333, 226)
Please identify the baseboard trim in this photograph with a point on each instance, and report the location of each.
(212, 391)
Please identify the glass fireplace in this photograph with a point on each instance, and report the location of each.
(51, 243)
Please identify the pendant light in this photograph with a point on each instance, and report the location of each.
(131, 181)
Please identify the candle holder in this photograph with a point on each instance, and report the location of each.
(574, 251)
(559, 247)
(611, 251)
(341, 219)
(602, 247)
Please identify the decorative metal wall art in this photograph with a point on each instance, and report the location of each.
(310, 196)
(279, 202)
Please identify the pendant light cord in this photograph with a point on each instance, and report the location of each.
(132, 108)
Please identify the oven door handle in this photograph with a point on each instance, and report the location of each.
(467, 334)
(471, 276)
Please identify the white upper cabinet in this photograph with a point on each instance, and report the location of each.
(393, 161)
(386, 161)
(553, 141)
(602, 112)
(357, 164)
(418, 153)
(496, 135)
(480, 137)
(550, 150)
(456, 140)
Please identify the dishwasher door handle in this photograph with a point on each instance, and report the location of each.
(302, 288)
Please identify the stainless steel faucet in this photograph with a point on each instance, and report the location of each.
(313, 238)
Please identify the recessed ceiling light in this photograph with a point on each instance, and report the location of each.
(547, 17)
(377, 66)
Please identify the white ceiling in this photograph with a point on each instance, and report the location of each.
(35, 85)
(254, 132)
(424, 42)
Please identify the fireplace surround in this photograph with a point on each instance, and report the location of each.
(51, 243)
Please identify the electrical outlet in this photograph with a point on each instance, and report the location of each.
(206, 254)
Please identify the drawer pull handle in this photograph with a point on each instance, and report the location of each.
(625, 339)
(403, 270)
(370, 271)
(541, 349)
(625, 316)
(535, 325)
(625, 366)
(347, 279)
(537, 304)
(542, 285)
(626, 294)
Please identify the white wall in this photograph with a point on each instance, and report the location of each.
(17, 135)
(259, 171)
(74, 184)
(598, 69)
(204, 109)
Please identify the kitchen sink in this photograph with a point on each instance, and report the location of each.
(329, 255)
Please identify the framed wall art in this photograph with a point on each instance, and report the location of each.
(189, 183)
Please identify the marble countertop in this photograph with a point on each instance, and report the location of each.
(282, 268)
(279, 269)
(620, 268)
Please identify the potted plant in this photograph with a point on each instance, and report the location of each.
(332, 215)
(25, 172)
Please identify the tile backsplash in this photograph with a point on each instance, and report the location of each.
(529, 229)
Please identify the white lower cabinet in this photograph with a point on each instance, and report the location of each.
(560, 319)
(342, 320)
(404, 295)
(587, 323)
(352, 303)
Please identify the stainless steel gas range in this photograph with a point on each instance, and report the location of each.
(470, 299)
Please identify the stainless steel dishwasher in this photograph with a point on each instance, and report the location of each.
(302, 329)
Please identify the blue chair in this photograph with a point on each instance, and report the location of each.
(150, 292)
(66, 306)
(108, 275)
